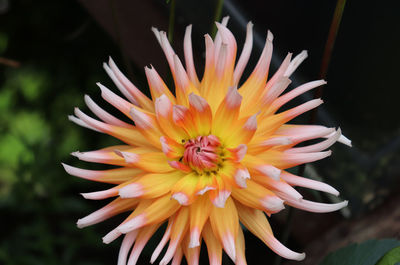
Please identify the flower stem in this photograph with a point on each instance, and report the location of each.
(326, 58)
(217, 17)
(171, 23)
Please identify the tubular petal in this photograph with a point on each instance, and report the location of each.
(258, 197)
(225, 225)
(316, 207)
(256, 222)
(199, 212)
(245, 55)
(150, 162)
(201, 113)
(214, 247)
(143, 237)
(162, 243)
(240, 248)
(179, 227)
(187, 47)
(103, 115)
(192, 254)
(140, 98)
(129, 135)
(157, 85)
(147, 125)
(126, 245)
(308, 183)
(151, 185)
(164, 114)
(158, 211)
(115, 207)
(119, 85)
(113, 176)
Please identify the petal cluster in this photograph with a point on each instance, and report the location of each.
(206, 159)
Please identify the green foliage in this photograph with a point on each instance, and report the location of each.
(366, 253)
(391, 258)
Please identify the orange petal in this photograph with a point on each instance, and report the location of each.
(225, 225)
(199, 212)
(140, 98)
(151, 185)
(147, 125)
(240, 248)
(244, 131)
(201, 113)
(258, 197)
(157, 85)
(141, 240)
(256, 222)
(184, 191)
(129, 135)
(150, 162)
(171, 148)
(184, 119)
(214, 247)
(115, 207)
(192, 254)
(178, 230)
(113, 176)
(158, 211)
(227, 114)
(164, 113)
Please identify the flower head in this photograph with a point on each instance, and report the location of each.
(206, 159)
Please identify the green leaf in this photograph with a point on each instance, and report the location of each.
(366, 253)
(391, 258)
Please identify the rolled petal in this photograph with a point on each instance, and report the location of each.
(158, 211)
(201, 113)
(140, 98)
(162, 243)
(128, 135)
(171, 148)
(225, 225)
(103, 115)
(308, 183)
(142, 238)
(150, 162)
(164, 114)
(245, 55)
(157, 85)
(113, 176)
(187, 48)
(256, 222)
(185, 190)
(317, 147)
(126, 245)
(287, 160)
(115, 207)
(147, 125)
(258, 197)
(316, 207)
(227, 114)
(214, 247)
(151, 185)
(179, 227)
(199, 212)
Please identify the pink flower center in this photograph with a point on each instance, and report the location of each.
(201, 152)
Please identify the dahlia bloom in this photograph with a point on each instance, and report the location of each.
(207, 159)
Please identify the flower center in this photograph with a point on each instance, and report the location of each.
(201, 153)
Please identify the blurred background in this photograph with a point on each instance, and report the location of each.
(51, 54)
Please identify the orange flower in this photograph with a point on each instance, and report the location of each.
(206, 159)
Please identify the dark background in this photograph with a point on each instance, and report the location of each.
(57, 49)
